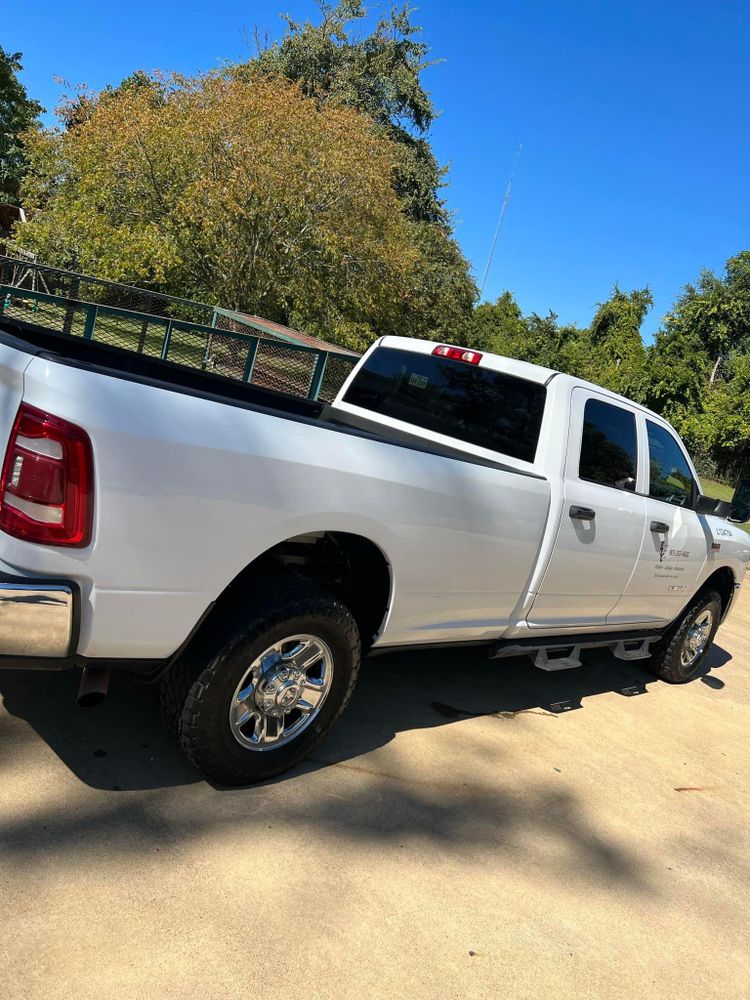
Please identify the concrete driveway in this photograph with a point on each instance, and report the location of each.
(470, 830)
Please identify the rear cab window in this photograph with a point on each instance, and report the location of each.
(463, 401)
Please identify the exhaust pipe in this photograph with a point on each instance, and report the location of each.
(94, 686)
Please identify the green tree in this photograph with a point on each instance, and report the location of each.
(17, 113)
(710, 319)
(722, 430)
(693, 362)
(378, 74)
(241, 191)
(499, 327)
(609, 352)
(618, 356)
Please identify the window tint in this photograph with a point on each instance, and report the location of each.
(477, 405)
(670, 477)
(609, 446)
(742, 493)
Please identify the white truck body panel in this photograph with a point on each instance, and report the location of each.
(190, 490)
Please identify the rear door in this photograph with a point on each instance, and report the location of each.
(675, 542)
(601, 529)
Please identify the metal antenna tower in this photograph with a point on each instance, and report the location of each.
(506, 199)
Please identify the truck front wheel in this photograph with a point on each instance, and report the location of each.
(678, 657)
(273, 689)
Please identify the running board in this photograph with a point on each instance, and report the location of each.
(563, 653)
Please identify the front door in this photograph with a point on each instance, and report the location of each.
(675, 544)
(741, 501)
(602, 523)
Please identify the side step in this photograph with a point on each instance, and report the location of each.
(564, 653)
(624, 651)
(566, 661)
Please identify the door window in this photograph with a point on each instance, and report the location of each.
(609, 446)
(670, 478)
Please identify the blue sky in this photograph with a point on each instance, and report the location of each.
(634, 119)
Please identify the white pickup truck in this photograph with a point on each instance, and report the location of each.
(245, 548)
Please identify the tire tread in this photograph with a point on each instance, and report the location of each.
(187, 688)
(665, 660)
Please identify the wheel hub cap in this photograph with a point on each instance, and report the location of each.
(281, 692)
(696, 638)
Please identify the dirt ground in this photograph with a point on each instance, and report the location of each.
(471, 829)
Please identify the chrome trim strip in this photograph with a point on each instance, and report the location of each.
(36, 619)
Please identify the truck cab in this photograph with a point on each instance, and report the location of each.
(628, 538)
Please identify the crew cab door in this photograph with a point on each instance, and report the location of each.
(602, 523)
(675, 544)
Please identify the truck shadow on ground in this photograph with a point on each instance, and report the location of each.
(121, 746)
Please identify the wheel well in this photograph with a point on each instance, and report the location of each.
(351, 567)
(722, 581)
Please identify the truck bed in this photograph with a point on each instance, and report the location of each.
(119, 362)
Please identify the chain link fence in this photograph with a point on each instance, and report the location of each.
(277, 363)
(25, 272)
(269, 363)
(179, 330)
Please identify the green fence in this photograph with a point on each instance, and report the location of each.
(27, 273)
(271, 364)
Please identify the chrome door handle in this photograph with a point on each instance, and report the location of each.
(582, 513)
(661, 526)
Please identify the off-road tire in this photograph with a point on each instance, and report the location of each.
(665, 660)
(195, 696)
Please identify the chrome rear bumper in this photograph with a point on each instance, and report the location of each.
(37, 618)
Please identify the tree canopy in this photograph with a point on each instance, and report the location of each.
(17, 113)
(241, 191)
(379, 74)
(696, 372)
(299, 185)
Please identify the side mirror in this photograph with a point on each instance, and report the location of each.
(710, 505)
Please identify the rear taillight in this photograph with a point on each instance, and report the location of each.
(458, 354)
(47, 486)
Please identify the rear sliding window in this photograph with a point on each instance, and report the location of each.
(476, 405)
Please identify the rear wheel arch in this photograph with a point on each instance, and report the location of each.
(350, 566)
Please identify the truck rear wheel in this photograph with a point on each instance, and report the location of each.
(679, 656)
(273, 689)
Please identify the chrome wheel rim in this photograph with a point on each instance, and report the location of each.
(281, 693)
(696, 639)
